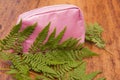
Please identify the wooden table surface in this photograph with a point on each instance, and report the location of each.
(105, 12)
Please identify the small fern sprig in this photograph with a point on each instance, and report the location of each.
(93, 34)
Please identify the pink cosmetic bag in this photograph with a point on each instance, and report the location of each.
(59, 16)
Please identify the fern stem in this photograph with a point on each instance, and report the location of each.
(108, 51)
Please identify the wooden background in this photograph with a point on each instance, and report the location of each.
(105, 12)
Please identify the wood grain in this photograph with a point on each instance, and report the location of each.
(105, 12)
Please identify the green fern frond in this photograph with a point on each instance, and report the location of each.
(52, 60)
(93, 34)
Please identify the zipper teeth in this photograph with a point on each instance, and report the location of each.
(50, 12)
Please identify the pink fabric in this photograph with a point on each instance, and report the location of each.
(59, 16)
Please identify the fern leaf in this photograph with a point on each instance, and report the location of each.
(22, 36)
(16, 28)
(4, 56)
(49, 76)
(19, 69)
(43, 34)
(37, 63)
(79, 72)
(81, 69)
(64, 69)
(73, 43)
(46, 69)
(8, 41)
(27, 32)
(53, 42)
(19, 64)
(79, 46)
(52, 36)
(93, 34)
(19, 76)
(55, 62)
(87, 53)
(91, 76)
(101, 79)
(50, 41)
(42, 77)
(58, 38)
(12, 71)
(70, 43)
(39, 40)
